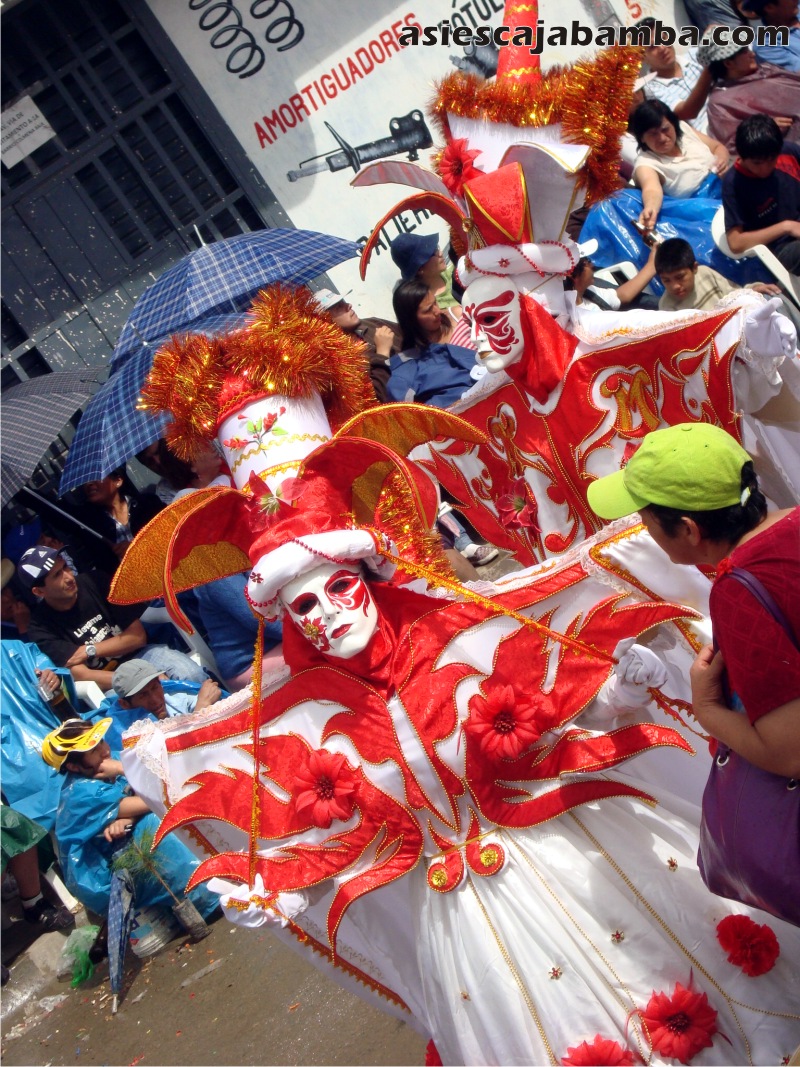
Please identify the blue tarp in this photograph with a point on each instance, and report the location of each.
(610, 223)
(29, 784)
(87, 806)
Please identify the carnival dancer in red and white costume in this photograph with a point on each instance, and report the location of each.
(416, 804)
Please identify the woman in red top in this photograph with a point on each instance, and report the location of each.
(698, 495)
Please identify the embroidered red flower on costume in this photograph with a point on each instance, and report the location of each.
(268, 502)
(602, 1051)
(236, 442)
(752, 947)
(456, 165)
(324, 789)
(502, 724)
(680, 1025)
(517, 508)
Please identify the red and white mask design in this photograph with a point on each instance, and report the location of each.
(492, 307)
(332, 608)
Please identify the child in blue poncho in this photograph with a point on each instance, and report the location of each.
(98, 810)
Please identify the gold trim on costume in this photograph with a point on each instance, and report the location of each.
(516, 976)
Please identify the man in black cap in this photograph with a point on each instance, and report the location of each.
(76, 626)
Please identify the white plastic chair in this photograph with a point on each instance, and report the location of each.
(618, 273)
(90, 693)
(788, 282)
(198, 650)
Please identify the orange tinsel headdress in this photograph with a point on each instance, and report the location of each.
(289, 349)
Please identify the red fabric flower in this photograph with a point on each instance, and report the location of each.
(517, 507)
(456, 165)
(752, 947)
(725, 566)
(601, 1051)
(324, 789)
(503, 725)
(267, 503)
(681, 1025)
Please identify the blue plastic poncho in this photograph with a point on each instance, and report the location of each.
(87, 806)
(29, 784)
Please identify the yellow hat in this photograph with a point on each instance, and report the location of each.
(74, 735)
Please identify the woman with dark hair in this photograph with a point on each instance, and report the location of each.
(432, 368)
(673, 159)
(677, 171)
(698, 495)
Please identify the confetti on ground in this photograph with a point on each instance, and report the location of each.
(295, 1006)
(201, 973)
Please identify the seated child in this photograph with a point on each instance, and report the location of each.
(96, 811)
(689, 285)
(761, 192)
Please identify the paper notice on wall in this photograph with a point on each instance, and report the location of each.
(23, 129)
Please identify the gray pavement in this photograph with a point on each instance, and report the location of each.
(260, 1004)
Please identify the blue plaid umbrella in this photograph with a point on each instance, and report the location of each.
(111, 429)
(223, 277)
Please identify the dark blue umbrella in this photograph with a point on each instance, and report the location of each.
(120, 922)
(223, 277)
(112, 429)
(34, 413)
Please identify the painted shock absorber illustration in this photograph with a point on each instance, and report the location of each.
(409, 133)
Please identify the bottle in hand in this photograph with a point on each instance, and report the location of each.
(58, 702)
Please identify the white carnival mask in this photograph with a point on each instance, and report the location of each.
(492, 307)
(332, 607)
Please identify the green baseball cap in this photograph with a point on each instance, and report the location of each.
(692, 466)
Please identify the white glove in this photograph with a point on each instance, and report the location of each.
(638, 670)
(257, 911)
(769, 333)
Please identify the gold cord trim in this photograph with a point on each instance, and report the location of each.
(463, 844)
(644, 1053)
(517, 977)
(336, 961)
(674, 937)
(469, 594)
